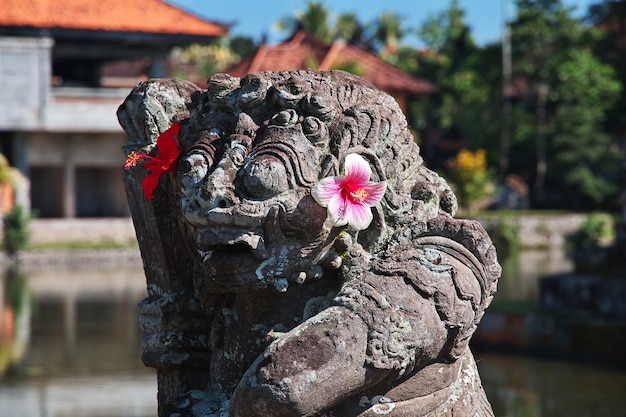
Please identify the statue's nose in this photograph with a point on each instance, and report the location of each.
(208, 186)
(208, 189)
(217, 195)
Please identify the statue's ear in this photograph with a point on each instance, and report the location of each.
(472, 287)
(152, 106)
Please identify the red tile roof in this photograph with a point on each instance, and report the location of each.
(149, 16)
(304, 51)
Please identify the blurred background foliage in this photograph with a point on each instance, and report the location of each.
(553, 117)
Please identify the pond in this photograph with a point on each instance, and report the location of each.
(70, 346)
(519, 386)
(76, 346)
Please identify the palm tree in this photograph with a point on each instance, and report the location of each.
(349, 28)
(383, 34)
(314, 20)
(388, 32)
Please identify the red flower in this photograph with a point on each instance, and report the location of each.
(164, 161)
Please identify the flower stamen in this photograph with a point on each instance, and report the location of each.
(133, 159)
(163, 162)
(359, 196)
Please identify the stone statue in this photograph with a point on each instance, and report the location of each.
(300, 258)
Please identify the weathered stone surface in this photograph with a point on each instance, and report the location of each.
(257, 305)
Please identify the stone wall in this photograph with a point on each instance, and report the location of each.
(117, 230)
(68, 232)
(535, 230)
(540, 230)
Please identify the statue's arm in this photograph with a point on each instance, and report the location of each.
(310, 369)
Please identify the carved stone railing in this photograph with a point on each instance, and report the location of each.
(277, 285)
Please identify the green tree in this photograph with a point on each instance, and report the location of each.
(447, 34)
(449, 61)
(382, 34)
(349, 28)
(466, 102)
(388, 33)
(242, 46)
(440, 62)
(379, 36)
(563, 93)
(206, 60)
(610, 17)
(16, 230)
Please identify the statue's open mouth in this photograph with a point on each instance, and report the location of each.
(260, 240)
(230, 240)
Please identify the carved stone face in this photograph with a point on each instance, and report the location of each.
(249, 194)
(255, 146)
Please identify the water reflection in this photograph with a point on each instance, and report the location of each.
(521, 273)
(519, 386)
(70, 344)
(522, 386)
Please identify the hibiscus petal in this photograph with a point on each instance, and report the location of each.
(359, 216)
(375, 192)
(358, 170)
(168, 147)
(324, 190)
(337, 210)
(150, 182)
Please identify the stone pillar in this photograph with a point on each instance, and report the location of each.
(24, 81)
(157, 67)
(69, 180)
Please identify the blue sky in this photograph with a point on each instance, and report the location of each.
(256, 17)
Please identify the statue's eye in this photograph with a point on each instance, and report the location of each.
(281, 160)
(264, 177)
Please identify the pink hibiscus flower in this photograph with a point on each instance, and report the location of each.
(164, 161)
(349, 199)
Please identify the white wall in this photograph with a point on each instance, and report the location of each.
(25, 68)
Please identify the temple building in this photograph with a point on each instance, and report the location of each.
(60, 86)
(304, 51)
